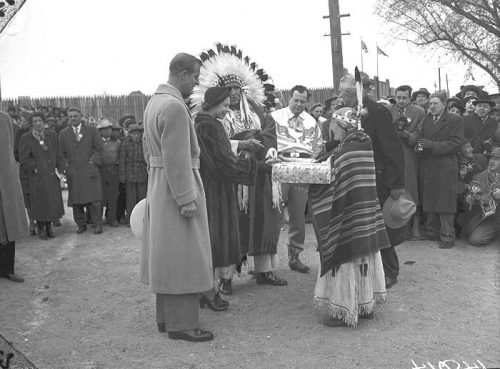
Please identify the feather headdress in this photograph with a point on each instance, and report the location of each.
(359, 94)
(225, 66)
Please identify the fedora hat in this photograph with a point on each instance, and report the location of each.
(397, 213)
(104, 123)
(491, 103)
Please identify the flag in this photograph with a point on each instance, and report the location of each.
(363, 46)
(379, 51)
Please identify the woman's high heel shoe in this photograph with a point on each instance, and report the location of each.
(217, 304)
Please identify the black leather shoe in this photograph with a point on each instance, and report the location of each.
(297, 265)
(194, 335)
(81, 229)
(217, 304)
(14, 277)
(271, 279)
(161, 327)
(389, 282)
(225, 287)
(445, 245)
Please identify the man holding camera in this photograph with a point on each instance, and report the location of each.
(480, 128)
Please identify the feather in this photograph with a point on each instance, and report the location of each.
(240, 54)
(211, 53)
(233, 50)
(204, 56)
(219, 47)
(260, 72)
(359, 94)
(253, 66)
(226, 49)
(247, 60)
(264, 77)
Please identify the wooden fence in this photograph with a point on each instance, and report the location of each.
(114, 107)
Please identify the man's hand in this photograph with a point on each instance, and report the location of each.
(188, 210)
(404, 135)
(396, 193)
(251, 145)
(426, 144)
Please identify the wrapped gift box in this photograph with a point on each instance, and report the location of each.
(303, 171)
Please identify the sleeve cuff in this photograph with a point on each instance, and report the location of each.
(186, 197)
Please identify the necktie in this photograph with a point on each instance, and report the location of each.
(77, 134)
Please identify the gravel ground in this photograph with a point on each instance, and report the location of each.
(82, 307)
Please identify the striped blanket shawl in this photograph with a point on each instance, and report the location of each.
(346, 213)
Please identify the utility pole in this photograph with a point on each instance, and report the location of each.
(336, 41)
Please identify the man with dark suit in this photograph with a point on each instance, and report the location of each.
(480, 127)
(389, 165)
(80, 147)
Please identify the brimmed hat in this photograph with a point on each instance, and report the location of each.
(484, 101)
(135, 127)
(495, 152)
(105, 123)
(116, 126)
(422, 90)
(397, 213)
(455, 100)
(216, 95)
(477, 89)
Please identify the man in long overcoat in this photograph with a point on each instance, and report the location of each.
(13, 221)
(408, 119)
(80, 150)
(176, 259)
(479, 126)
(389, 160)
(440, 139)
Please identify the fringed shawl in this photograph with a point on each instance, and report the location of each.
(346, 213)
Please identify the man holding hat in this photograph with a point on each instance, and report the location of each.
(80, 147)
(482, 226)
(108, 170)
(480, 127)
(440, 140)
(133, 168)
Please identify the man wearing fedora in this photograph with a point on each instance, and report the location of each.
(440, 139)
(480, 127)
(482, 226)
(421, 98)
(108, 170)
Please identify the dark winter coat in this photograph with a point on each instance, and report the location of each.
(439, 165)
(13, 221)
(220, 171)
(477, 132)
(80, 160)
(38, 165)
(389, 157)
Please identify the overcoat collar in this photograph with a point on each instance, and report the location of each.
(442, 122)
(168, 89)
(83, 130)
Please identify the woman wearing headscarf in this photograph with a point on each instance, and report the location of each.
(38, 155)
(220, 171)
(13, 222)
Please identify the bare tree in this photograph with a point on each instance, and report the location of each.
(467, 30)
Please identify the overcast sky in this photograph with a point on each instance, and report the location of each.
(70, 47)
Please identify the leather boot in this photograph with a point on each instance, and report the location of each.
(42, 233)
(294, 262)
(48, 229)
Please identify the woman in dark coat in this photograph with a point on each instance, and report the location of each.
(220, 171)
(38, 155)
